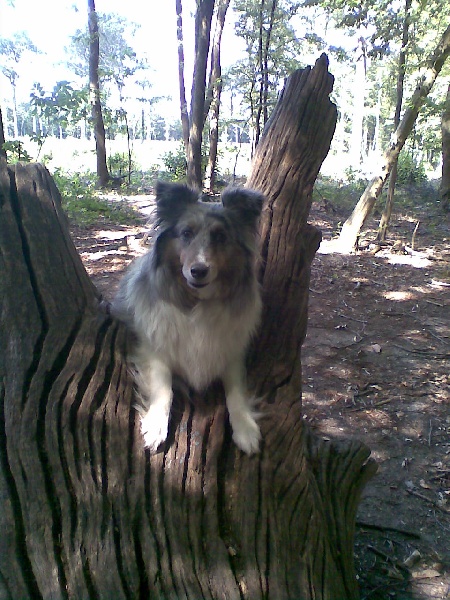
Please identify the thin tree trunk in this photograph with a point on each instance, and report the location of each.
(15, 116)
(258, 127)
(359, 94)
(203, 18)
(386, 216)
(94, 93)
(445, 183)
(352, 226)
(376, 135)
(214, 93)
(2, 137)
(86, 511)
(184, 113)
(266, 63)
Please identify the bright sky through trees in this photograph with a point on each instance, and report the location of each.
(50, 23)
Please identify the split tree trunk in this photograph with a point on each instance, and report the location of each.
(86, 511)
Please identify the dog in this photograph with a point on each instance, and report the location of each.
(193, 302)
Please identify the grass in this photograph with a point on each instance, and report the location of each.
(408, 198)
(84, 204)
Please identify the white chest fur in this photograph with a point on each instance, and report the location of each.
(198, 344)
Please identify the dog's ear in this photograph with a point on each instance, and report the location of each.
(245, 204)
(172, 199)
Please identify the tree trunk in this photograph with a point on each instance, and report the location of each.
(213, 96)
(352, 226)
(86, 511)
(386, 216)
(359, 97)
(184, 113)
(203, 18)
(94, 93)
(445, 183)
(2, 137)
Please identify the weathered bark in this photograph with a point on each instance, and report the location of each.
(285, 166)
(445, 127)
(87, 513)
(386, 216)
(94, 97)
(352, 226)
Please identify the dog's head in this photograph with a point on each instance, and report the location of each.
(208, 245)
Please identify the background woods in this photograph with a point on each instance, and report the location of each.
(219, 92)
(376, 49)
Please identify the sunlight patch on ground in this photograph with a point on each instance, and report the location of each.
(399, 296)
(330, 247)
(111, 235)
(416, 261)
(94, 256)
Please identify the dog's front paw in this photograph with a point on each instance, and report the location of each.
(246, 433)
(154, 427)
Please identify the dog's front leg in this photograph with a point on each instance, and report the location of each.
(154, 381)
(246, 432)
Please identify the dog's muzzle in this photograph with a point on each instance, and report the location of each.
(198, 275)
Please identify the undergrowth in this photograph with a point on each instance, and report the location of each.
(84, 204)
(408, 197)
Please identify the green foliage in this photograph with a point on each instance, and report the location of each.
(410, 170)
(175, 163)
(118, 164)
(118, 60)
(344, 196)
(15, 152)
(57, 110)
(272, 51)
(13, 50)
(84, 206)
(15, 47)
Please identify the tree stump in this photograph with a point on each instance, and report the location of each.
(86, 511)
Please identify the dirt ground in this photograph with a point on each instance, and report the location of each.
(376, 367)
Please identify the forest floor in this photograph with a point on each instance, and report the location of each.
(376, 367)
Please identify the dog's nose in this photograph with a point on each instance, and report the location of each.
(199, 271)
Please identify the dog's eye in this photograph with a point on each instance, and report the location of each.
(187, 235)
(218, 236)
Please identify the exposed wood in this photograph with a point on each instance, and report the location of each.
(285, 166)
(86, 512)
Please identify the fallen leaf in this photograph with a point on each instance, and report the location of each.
(412, 559)
(374, 348)
(424, 484)
(428, 573)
